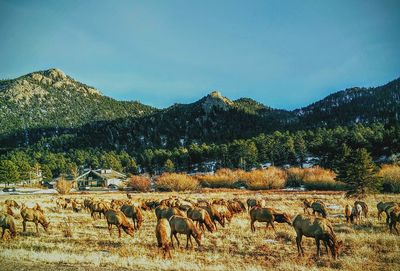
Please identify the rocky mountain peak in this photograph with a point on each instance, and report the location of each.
(216, 100)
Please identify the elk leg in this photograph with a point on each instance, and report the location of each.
(318, 243)
(177, 240)
(2, 234)
(172, 240)
(109, 227)
(299, 247)
(187, 240)
(37, 227)
(119, 231)
(24, 225)
(253, 229)
(272, 224)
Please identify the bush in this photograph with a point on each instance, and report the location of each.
(223, 178)
(139, 183)
(176, 182)
(63, 186)
(295, 176)
(390, 178)
(271, 178)
(318, 178)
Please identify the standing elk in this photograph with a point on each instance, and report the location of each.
(34, 215)
(118, 219)
(267, 215)
(319, 229)
(163, 234)
(184, 225)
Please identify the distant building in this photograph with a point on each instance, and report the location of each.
(100, 178)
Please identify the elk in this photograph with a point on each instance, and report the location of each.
(317, 206)
(394, 218)
(7, 222)
(163, 234)
(347, 213)
(184, 225)
(319, 229)
(33, 215)
(135, 213)
(118, 219)
(163, 211)
(268, 215)
(202, 217)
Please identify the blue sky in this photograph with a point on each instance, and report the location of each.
(285, 54)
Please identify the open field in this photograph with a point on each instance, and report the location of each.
(368, 246)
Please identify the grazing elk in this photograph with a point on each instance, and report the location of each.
(163, 211)
(7, 222)
(184, 225)
(135, 213)
(11, 203)
(356, 213)
(267, 215)
(34, 215)
(319, 229)
(364, 207)
(163, 234)
(255, 202)
(224, 212)
(215, 215)
(118, 219)
(394, 219)
(202, 217)
(317, 206)
(99, 207)
(385, 207)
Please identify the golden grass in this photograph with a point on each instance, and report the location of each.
(368, 246)
(176, 182)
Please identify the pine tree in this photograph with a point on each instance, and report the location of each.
(169, 166)
(359, 173)
(8, 172)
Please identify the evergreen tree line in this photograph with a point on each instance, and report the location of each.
(326, 147)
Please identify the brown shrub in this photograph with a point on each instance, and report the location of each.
(321, 179)
(223, 178)
(390, 176)
(271, 178)
(139, 183)
(176, 182)
(63, 186)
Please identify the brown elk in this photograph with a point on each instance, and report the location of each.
(7, 222)
(135, 213)
(267, 215)
(118, 219)
(184, 225)
(202, 217)
(11, 203)
(319, 229)
(33, 215)
(394, 219)
(215, 215)
(385, 207)
(254, 202)
(317, 206)
(364, 207)
(163, 211)
(163, 234)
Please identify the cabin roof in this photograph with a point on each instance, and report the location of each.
(104, 174)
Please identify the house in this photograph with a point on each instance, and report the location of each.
(100, 178)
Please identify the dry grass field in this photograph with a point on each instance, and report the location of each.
(368, 246)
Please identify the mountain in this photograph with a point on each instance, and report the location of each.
(51, 102)
(51, 107)
(354, 105)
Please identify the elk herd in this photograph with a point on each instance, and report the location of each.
(176, 215)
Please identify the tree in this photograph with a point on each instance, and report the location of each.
(131, 166)
(8, 172)
(359, 172)
(46, 173)
(169, 166)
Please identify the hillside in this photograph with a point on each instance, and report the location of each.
(51, 104)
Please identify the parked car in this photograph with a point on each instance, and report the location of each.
(113, 186)
(83, 188)
(9, 189)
